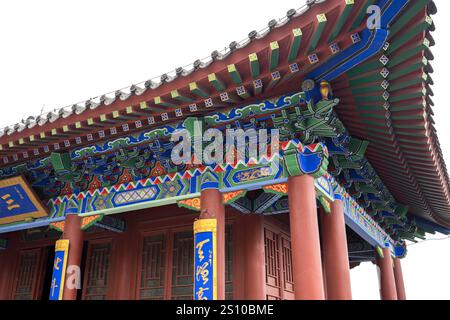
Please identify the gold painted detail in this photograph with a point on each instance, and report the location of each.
(281, 188)
(230, 197)
(87, 222)
(58, 226)
(192, 204)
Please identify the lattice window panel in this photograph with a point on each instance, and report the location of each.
(97, 269)
(286, 254)
(153, 267)
(175, 252)
(27, 274)
(272, 255)
(183, 266)
(279, 274)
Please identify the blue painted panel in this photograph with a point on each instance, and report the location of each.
(204, 266)
(59, 270)
(14, 201)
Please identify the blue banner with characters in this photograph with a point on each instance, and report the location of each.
(59, 270)
(205, 264)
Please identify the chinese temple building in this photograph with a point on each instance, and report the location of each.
(93, 207)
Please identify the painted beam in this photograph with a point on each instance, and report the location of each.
(342, 19)
(216, 82)
(274, 55)
(159, 102)
(275, 78)
(361, 14)
(407, 16)
(234, 74)
(254, 65)
(106, 119)
(199, 91)
(177, 96)
(242, 92)
(294, 47)
(321, 23)
(257, 86)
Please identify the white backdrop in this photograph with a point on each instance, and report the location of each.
(56, 53)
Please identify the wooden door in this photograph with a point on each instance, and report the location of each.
(278, 256)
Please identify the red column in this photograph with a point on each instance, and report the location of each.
(387, 279)
(399, 284)
(335, 253)
(211, 203)
(72, 232)
(254, 251)
(306, 260)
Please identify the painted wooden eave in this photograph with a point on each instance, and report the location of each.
(266, 64)
(387, 101)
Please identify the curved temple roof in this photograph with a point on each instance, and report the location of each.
(384, 88)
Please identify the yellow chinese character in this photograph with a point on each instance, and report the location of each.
(203, 272)
(10, 202)
(199, 248)
(57, 261)
(200, 293)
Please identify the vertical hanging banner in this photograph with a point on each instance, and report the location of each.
(205, 264)
(59, 269)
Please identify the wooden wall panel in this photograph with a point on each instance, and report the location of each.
(113, 268)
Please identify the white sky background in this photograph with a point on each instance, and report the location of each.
(56, 53)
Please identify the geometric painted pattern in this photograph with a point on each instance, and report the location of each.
(135, 195)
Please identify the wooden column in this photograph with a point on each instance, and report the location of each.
(399, 284)
(306, 257)
(335, 253)
(254, 254)
(73, 233)
(387, 279)
(212, 207)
